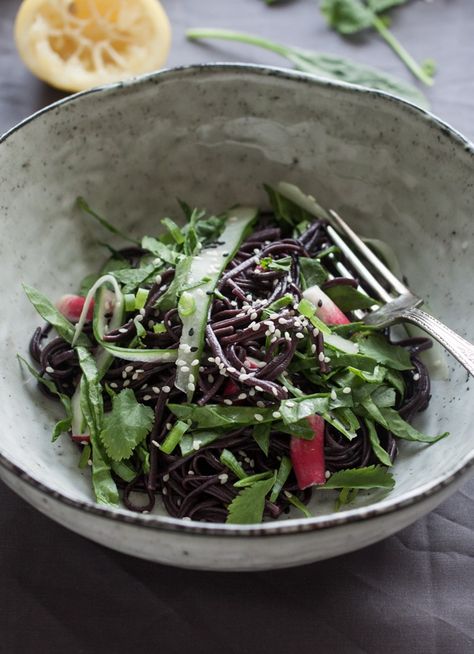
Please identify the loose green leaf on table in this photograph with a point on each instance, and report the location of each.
(322, 64)
(352, 16)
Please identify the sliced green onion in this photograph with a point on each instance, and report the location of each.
(186, 304)
(159, 328)
(282, 475)
(129, 299)
(141, 298)
(229, 460)
(307, 309)
(85, 456)
(174, 436)
(251, 479)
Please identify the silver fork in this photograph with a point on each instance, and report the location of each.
(401, 305)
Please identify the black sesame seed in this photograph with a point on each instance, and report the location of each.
(193, 348)
(191, 331)
(320, 303)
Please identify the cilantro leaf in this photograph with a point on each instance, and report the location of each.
(375, 476)
(48, 311)
(132, 278)
(126, 425)
(248, 506)
(160, 250)
(377, 347)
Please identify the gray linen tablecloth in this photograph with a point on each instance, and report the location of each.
(410, 593)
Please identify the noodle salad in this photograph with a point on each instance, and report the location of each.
(223, 366)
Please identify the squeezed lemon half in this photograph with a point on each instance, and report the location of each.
(76, 44)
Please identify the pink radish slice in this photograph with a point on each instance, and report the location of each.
(326, 310)
(71, 307)
(81, 438)
(307, 456)
(230, 388)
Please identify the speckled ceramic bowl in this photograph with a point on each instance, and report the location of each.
(213, 135)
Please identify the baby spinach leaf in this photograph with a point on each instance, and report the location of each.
(377, 347)
(216, 415)
(380, 453)
(63, 425)
(261, 435)
(312, 273)
(403, 429)
(349, 298)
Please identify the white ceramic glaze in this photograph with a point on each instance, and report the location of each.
(212, 135)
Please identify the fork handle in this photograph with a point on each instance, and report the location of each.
(461, 349)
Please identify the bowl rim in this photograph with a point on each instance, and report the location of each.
(382, 507)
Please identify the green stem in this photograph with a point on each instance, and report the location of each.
(398, 48)
(230, 35)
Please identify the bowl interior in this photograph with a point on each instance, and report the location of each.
(212, 136)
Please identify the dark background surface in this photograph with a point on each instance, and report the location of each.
(412, 593)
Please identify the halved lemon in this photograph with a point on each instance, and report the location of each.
(76, 44)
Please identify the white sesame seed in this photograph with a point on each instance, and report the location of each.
(158, 279)
(268, 332)
(327, 474)
(249, 297)
(190, 472)
(195, 362)
(146, 398)
(242, 396)
(260, 404)
(113, 385)
(191, 387)
(166, 478)
(299, 335)
(255, 327)
(243, 376)
(168, 426)
(241, 315)
(276, 415)
(321, 356)
(184, 369)
(273, 340)
(287, 336)
(135, 376)
(327, 359)
(126, 383)
(231, 369)
(259, 389)
(49, 369)
(139, 371)
(258, 417)
(228, 402)
(166, 389)
(164, 490)
(124, 375)
(196, 444)
(210, 379)
(129, 369)
(89, 462)
(333, 395)
(218, 360)
(191, 377)
(142, 312)
(223, 478)
(274, 391)
(290, 403)
(155, 389)
(277, 333)
(252, 392)
(253, 315)
(155, 443)
(186, 348)
(201, 368)
(346, 390)
(416, 376)
(123, 330)
(315, 332)
(211, 359)
(139, 318)
(274, 316)
(313, 349)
